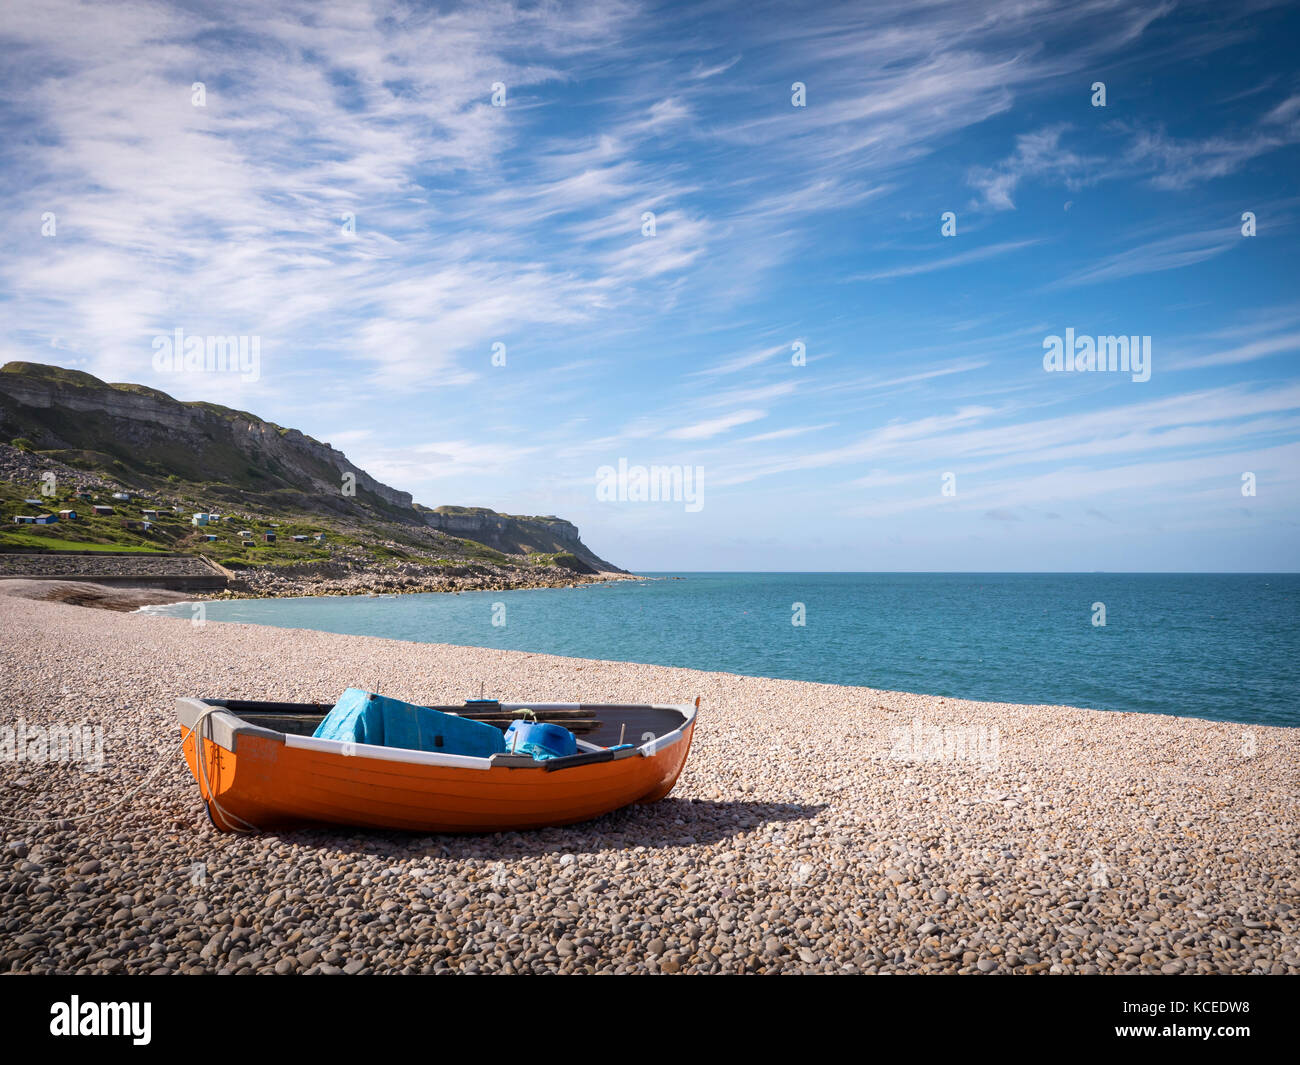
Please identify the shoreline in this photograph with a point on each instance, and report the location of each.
(268, 583)
(146, 611)
(815, 828)
(143, 601)
(113, 597)
(145, 608)
(1009, 699)
(205, 578)
(597, 579)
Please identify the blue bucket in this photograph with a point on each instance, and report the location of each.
(540, 739)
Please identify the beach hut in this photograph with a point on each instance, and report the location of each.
(269, 537)
(249, 543)
(151, 514)
(211, 537)
(84, 495)
(178, 510)
(47, 519)
(100, 509)
(300, 539)
(67, 515)
(319, 538)
(122, 497)
(24, 519)
(200, 519)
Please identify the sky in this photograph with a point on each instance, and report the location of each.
(811, 257)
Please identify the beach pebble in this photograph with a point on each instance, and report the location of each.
(1092, 841)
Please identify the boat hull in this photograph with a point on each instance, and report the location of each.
(259, 779)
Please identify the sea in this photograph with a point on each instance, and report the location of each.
(1220, 646)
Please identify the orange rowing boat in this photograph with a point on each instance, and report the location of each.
(258, 766)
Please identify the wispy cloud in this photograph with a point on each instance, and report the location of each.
(1179, 163)
(1155, 256)
(1256, 349)
(714, 426)
(742, 362)
(974, 255)
(649, 229)
(1038, 155)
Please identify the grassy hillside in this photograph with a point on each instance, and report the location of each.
(152, 456)
(185, 457)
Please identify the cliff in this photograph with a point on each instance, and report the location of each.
(506, 532)
(141, 428)
(139, 438)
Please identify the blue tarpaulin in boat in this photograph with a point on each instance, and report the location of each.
(362, 717)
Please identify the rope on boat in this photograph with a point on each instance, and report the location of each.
(233, 821)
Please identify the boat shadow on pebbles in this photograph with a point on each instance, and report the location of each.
(670, 822)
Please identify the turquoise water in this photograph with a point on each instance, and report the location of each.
(1220, 646)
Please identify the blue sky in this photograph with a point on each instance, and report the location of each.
(774, 226)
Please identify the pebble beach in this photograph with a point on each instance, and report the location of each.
(815, 828)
